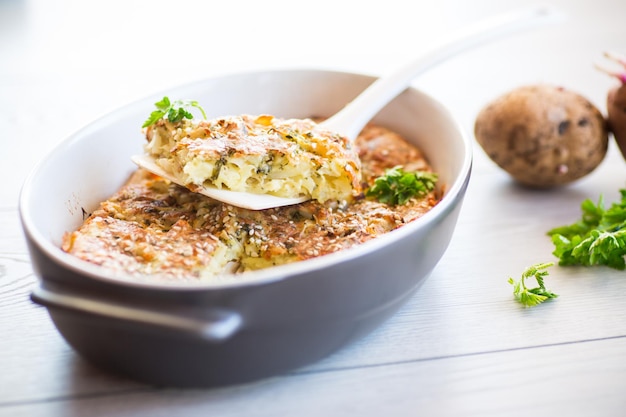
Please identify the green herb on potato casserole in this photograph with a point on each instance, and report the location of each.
(397, 186)
(174, 111)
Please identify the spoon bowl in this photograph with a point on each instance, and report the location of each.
(236, 198)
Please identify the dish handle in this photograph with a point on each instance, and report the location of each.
(222, 325)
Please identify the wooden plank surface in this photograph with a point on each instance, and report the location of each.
(538, 381)
(461, 346)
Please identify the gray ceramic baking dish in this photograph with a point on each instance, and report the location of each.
(262, 323)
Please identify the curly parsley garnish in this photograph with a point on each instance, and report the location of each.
(530, 297)
(598, 238)
(397, 186)
(174, 111)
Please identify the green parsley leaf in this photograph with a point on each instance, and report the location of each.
(397, 186)
(173, 111)
(530, 297)
(598, 238)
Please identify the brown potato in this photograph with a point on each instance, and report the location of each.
(542, 135)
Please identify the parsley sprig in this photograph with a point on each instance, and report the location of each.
(174, 111)
(598, 238)
(530, 297)
(397, 186)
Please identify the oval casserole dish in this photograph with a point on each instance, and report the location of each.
(265, 322)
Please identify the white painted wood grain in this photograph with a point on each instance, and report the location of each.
(542, 381)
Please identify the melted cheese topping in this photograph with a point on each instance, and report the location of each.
(156, 230)
(258, 154)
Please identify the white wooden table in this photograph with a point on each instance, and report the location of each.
(461, 346)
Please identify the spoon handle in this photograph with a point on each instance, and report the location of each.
(355, 115)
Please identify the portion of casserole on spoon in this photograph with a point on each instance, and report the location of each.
(255, 154)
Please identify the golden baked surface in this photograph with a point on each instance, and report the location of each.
(258, 154)
(154, 229)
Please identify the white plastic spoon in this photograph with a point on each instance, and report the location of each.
(353, 117)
